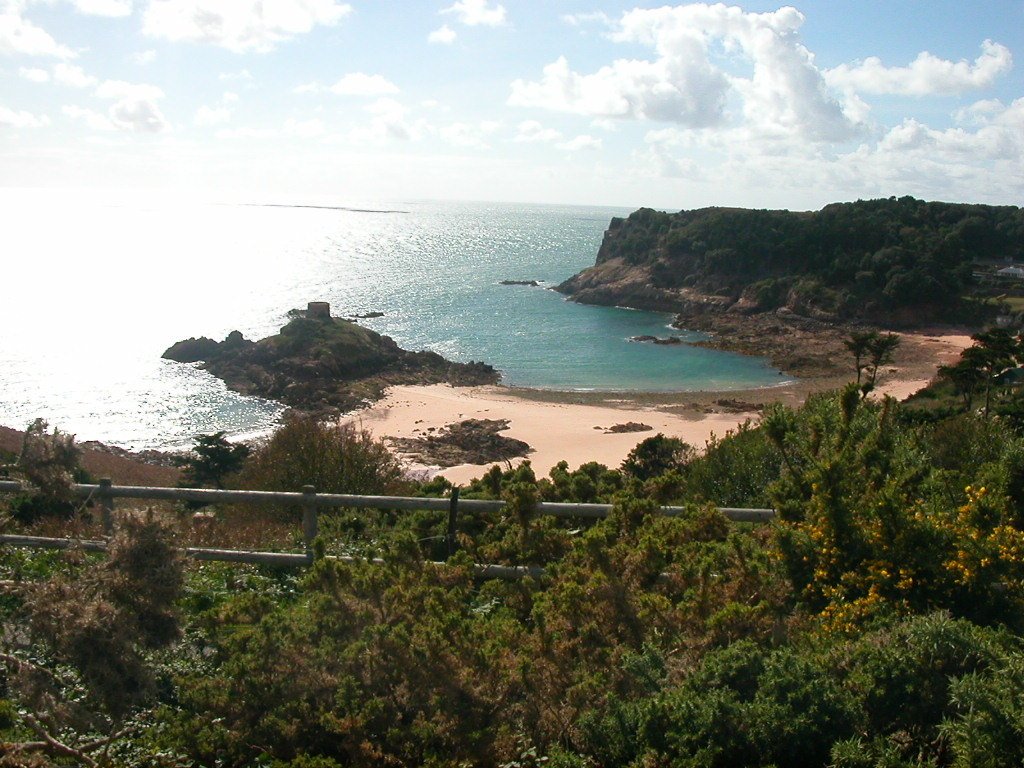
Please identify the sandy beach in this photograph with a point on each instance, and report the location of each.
(573, 432)
(572, 426)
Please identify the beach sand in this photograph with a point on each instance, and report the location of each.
(571, 426)
(573, 432)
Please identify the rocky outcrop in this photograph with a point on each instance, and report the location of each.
(613, 283)
(323, 364)
(629, 426)
(473, 441)
(657, 340)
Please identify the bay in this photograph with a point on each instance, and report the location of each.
(95, 287)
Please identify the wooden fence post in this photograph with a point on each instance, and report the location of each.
(453, 517)
(106, 506)
(309, 517)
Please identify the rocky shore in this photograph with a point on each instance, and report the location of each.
(809, 346)
(322, 364)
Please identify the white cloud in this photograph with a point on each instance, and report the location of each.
(138, 115)
(980, 112)
(134, 107)
(71, 75)
(359, 84)
(581, 142)
(93, 119)
(35, 75)
(389, 122)
(353, 84)
(21, 119)
(951, 163)
(112, 8)
(979, 164)
(240, 25)
(682, 84)
(389, 119)
(533, 131)
(206, 116)
(926, 75)
(20, 36)
(444, 35)
(474, 13)
(628, 89)
(144, 57)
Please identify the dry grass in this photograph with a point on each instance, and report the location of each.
(122, 470)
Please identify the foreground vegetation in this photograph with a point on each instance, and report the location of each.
(878, 622)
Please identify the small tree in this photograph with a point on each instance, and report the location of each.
(213, 458)
(881, 348)
(994, 352)
(858, 344)
(965, 377)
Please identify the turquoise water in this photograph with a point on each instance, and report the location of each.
(95, 289)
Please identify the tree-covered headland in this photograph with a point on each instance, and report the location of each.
(890, 260)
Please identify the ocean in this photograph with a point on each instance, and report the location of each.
(94, 288)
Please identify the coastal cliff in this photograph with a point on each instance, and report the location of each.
(891, 261)
(323, 364)
(761, 280)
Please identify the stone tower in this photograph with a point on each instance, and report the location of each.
(318, 309)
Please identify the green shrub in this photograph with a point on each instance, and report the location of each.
(332, 458)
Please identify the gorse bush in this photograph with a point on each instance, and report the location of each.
(332, 458)
(50, 463)
(88, 673)
(876, 623)
(869, 527)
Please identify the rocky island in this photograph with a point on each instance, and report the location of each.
(323, 364)
(791, 285)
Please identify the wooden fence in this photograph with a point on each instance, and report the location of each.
(104, 494)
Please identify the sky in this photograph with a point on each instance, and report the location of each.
(574, 101)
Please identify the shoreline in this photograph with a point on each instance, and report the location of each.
(570, 425)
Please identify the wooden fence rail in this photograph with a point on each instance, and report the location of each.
(104, 493)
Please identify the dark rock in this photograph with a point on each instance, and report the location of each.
(191, 350)
(324, 365)
(629, 426)
(473, 441)
(531, 283)
(656, 340)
